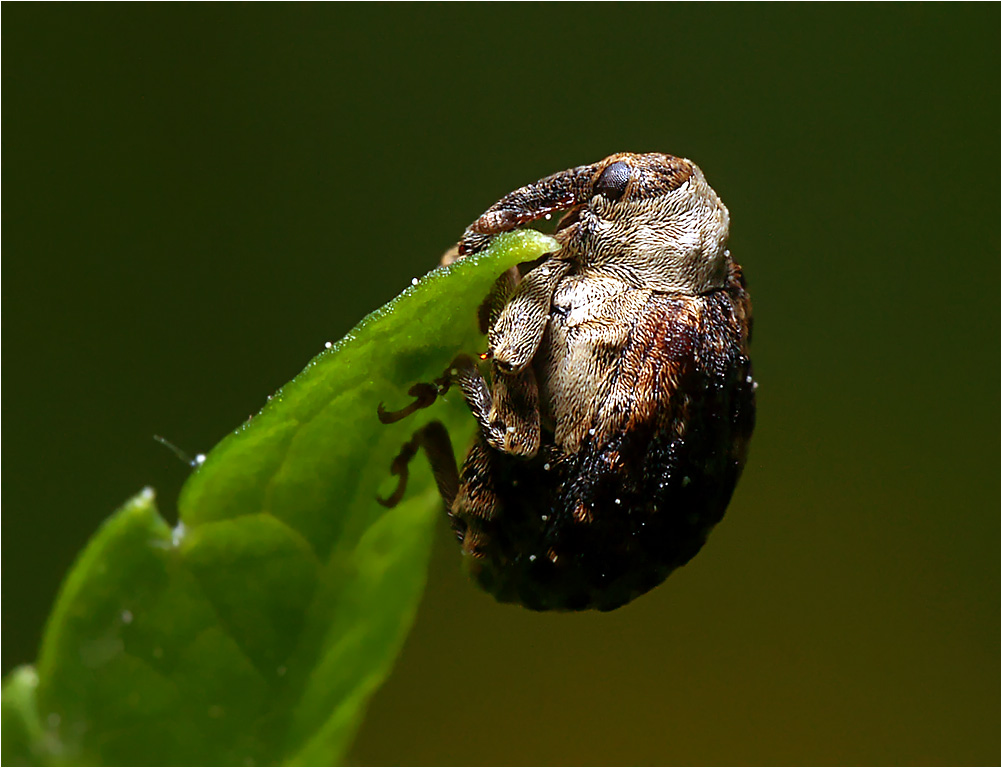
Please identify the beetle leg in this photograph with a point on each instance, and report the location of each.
(434, 439)
(514, 414)
(462, 368)
(466, 375)
(558, 192)
(490, 309)
(515, 336)
(508, 418)
(507, 412)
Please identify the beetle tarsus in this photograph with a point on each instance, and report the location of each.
(434, 439)
(424, 394)
(399, 468)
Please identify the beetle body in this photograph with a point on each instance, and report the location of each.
(621, 401)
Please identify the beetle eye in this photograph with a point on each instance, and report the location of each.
(612, 183)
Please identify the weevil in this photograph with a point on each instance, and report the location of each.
(615, 417)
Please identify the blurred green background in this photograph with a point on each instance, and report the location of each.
(198, 197)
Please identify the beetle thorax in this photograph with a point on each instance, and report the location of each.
(673, 242)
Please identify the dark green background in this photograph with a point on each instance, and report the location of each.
(196, 198)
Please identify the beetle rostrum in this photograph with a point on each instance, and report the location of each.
(619, 402)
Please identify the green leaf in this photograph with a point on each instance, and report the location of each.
(257, 629)
(23, 735)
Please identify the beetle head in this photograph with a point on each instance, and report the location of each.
(653, 220)
(650, 220)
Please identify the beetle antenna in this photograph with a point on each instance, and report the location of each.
(191, 462)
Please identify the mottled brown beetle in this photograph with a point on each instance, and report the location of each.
(621, 398)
